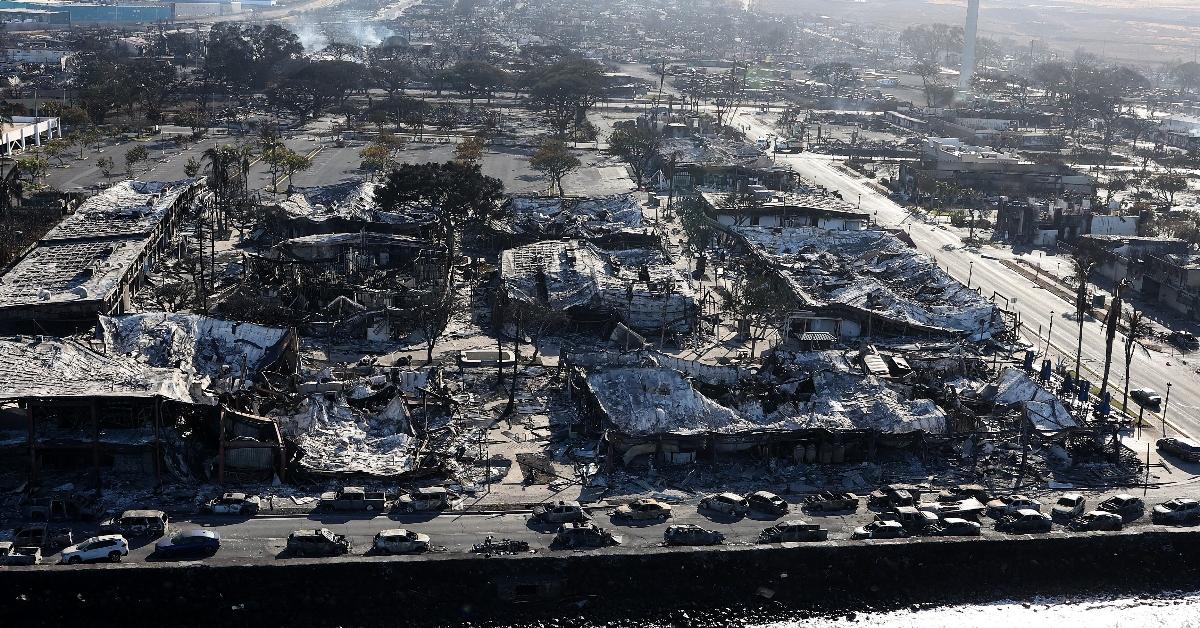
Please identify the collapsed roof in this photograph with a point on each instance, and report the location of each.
(349, 201)
(199, 346)
(641, 286)
(65, 368)
(338, 438)
(871, 271)
(1045, 411)
(577, 217)
(715, 151)
(658, 400)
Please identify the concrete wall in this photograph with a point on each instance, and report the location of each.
(436, 590)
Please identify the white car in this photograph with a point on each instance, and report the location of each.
(110, 547)
(400, 541)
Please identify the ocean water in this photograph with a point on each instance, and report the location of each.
(1166, 610)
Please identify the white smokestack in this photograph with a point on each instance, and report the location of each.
(967, 71)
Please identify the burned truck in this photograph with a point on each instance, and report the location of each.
(353, 499)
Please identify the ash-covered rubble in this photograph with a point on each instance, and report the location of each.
(210, 352)
(638, 286)
(809, 391)
(531, 217)
(871, 272)
(344, 207)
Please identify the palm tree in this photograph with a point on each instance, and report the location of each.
(1110, 333)
(1084, 264)
(1138, 329)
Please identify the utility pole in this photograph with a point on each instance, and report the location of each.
(1166, 406)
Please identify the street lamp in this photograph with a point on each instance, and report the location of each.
(970, 273)
(1166, 406)
(1048, 332)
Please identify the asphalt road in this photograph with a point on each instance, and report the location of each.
(264, 538)
(1036, 305)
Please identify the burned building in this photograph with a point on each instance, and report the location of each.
(640, 287)
(644, 404)
(146, 399)
(95, 259)
(343, 208)
(530, 218)
(359, 283)
(865, 283)
(761, 207)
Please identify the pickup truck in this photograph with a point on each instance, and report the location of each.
(831, 502)
(353, 499)
(894, 495)
(914, 521)
(12, 555)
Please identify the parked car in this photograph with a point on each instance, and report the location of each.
(1008, 505)
(400, 541)
(232, 504)
(794, 531)
(1146, 397)
(423, 499)
(880, 530)
(1025, 521)
(770, 503)
(726, 503)
(969, 508)
(964, 491)
(1068, 507)
(11, 555)
(319, 542)
(353, 499)
(689, 534)
(894, 495)
(151, 523)
(584, 535)
(110, 547)
(1129, 507)
(1185, 449)
(561, 512)
(643, 510)
(914, 521)
(953, 526)
(1096, 520)
(189, 543)
(43, 536)
(1178, 511)
(827, 501)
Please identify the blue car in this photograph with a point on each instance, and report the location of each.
(189, 543)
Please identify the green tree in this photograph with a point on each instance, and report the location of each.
(469, 150)
(458, 192)
(554, 160)
(565, 91)
(637, 146)
(135, 156)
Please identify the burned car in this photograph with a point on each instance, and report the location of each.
(643, 510)
(353, 499)
(794, 531)
(1025, 521)
(400, 541)
(152, 523)
(726, 503)
(1003, 506)
(831, 502)
(1068, 507)
(584, 535)
(1178, 511)
(560, 512)
(232, 504)
(1096, 520)
(423, 499)
(43, 536)
(1129, 507)
(880, 530)
(767, 502)
(11, 555)
(689, 534)
(319, 542)
(953, 526)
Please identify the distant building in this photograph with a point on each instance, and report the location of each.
(989, 171)
(24, 131)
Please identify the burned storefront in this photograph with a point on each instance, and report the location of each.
(346, 207)
(819, 407)
(639, 287)
(144, 400)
